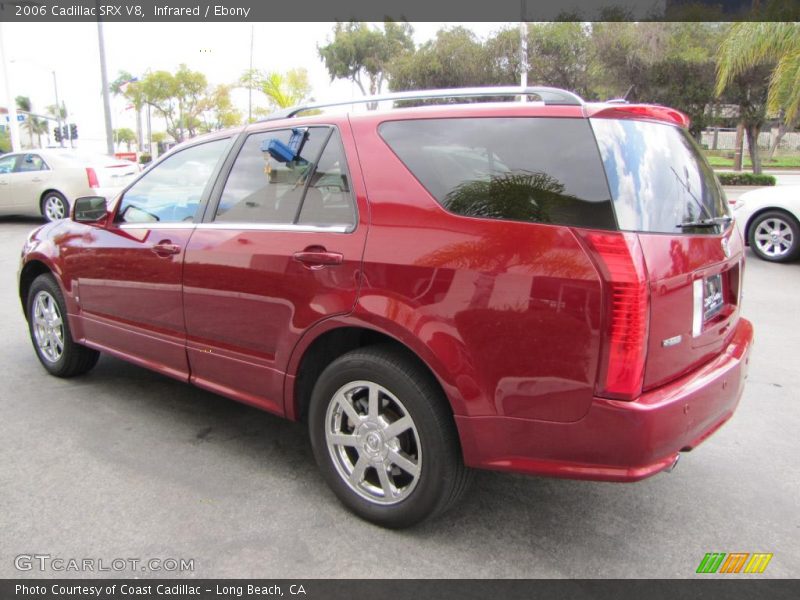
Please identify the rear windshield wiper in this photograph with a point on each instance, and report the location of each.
(713, 222)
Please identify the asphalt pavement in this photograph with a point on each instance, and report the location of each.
(127, 464)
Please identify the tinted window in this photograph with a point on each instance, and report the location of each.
(658, 177)
(328, 200)
(171, 190)
(30, 162)
(542, 170)
(261, 189)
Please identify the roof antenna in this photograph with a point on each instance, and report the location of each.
(628, 93)
(623, 100)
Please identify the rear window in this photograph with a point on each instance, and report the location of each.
(542, 170)
(659, 180)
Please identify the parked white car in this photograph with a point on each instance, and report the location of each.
(769, 219)
(46, 182)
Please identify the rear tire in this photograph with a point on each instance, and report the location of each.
(384, 438)
(55, 206)
(775, 236)
(59, 354)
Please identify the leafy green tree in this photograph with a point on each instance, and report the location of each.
(454, 58)
(363, 54)
(126, 136)
(218, 111)
(5, 141)
(661, 63)
(559, 55)
(179, 98)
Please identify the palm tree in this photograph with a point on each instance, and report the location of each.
(281, 89)
(751, 44)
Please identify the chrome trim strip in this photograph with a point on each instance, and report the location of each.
(697, 315)
(157, 225)
(277, 227)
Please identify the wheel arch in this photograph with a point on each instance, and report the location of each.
(29, 272)
(44, 194)
(326, 346)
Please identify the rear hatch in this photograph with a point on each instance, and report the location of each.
(664, 190)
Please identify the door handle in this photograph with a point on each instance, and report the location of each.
(36, 180)
(166, 248)
(317, 257)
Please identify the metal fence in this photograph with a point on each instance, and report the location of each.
(726, 140)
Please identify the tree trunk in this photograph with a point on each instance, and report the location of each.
(138, 110)
(737, 147)
(752, 143)
(776, 140)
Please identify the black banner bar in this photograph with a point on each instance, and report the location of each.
(411, 10)
(732, 588)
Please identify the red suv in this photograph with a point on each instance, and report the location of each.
(548, 287)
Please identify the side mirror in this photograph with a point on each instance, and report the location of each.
(89, 209)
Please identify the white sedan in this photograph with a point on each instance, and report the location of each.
(769, 219)
(46, 182)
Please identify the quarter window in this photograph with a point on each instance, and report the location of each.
(173, 189)
(543, 170)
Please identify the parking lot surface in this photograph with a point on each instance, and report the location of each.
(124, 463)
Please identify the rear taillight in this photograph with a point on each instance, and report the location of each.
(621, 262)
(92, 176)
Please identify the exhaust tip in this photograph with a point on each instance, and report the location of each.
(674, 464)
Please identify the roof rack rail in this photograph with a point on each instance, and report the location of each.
(549, 95)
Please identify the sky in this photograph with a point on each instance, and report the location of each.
(219, 50)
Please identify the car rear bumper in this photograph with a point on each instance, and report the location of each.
(616, 440)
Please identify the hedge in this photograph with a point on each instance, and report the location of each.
(745, 179)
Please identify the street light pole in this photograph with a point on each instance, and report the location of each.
(106, 99)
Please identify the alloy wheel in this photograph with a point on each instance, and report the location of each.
(54, 208)
(774, 237)
(373, 442)
(48, 327)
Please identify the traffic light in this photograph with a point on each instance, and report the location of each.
(57, 134)
(73, 131)
(65, 132)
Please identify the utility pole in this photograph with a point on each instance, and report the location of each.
(250, 83)
(58, 107)
(106, 99)
(13, 125)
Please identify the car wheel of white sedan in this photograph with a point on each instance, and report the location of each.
(55, 206)
(775, 236)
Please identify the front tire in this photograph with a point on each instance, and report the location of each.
(55, 206)
(384, 438)
(775, 236)
(50, 334)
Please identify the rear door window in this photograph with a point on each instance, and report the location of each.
(541, 170)
(659, 180)
(313, 188)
